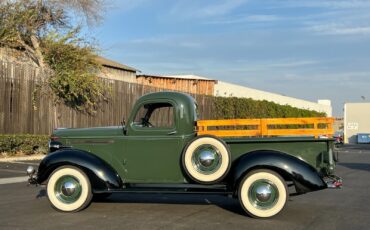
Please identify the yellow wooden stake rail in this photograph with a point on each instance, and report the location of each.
(313, 126)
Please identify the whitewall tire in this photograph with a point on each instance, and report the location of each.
(206, 159)
(263, 193)
(69, 189)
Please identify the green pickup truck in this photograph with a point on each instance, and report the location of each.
(159, 150)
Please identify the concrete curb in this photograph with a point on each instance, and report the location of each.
(22, 158)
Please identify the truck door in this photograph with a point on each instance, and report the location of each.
(153, 148)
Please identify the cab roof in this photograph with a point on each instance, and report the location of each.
(180, 98)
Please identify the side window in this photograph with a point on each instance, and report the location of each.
(155, 115)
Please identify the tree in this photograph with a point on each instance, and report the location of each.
(75, 71)
(46, 31)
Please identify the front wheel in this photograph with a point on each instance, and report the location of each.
(262, 193)
(69, 189)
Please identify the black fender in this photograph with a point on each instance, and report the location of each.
(102, 176)
(304, 176)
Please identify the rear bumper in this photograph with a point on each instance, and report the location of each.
(333, 182)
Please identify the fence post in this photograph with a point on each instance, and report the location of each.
(315, 127)
(263, 127)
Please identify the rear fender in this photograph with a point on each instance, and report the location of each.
(304, 176)
(102, 176)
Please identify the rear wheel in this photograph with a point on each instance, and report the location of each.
(69, 189)
(263, 193)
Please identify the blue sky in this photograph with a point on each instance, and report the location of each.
(309, 49)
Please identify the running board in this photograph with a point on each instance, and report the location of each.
(172, 189)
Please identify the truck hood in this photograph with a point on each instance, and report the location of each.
(89, 132)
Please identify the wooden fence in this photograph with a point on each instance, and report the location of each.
(18, 115)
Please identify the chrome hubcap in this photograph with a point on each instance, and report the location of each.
(206, 159)
(67, 189)
(263, 194)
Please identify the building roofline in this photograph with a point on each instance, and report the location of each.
(113, 64)
(176, 78)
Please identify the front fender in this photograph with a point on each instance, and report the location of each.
(102, 176)
(304, 176)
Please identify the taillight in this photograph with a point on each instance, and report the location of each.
(54, 138)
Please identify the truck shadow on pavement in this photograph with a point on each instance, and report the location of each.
(42, 193)
(224, 202)
(356, 166)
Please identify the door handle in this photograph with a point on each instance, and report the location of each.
(172, 133)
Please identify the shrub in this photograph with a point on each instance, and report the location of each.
(232, 107)
(28, 144)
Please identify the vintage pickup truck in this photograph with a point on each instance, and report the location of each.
(163, 148)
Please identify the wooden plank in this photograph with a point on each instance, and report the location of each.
(298, 121)
(268, 121)
(289, 132)
(233, 122)
(231, 133)
(267, 127)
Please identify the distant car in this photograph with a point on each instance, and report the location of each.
(338, 136)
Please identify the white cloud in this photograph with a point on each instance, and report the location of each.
(272, 65)
(221, 8)
(125, 5)
(191, 9)
(190, 44)
(167, 41)
(248, 18)
(335, 29)
(333, 4)
(292, 63)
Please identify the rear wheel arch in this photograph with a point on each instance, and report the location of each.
(290, 168)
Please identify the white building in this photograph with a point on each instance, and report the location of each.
(356, 120)
(116, 71)
(224, 89)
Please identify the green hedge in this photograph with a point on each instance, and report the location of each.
(23, 143)
(233, 107)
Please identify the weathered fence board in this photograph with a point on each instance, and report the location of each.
(17, 115)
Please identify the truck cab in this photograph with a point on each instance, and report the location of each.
(157, 130)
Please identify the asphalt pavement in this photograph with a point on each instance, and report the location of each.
(27, 207)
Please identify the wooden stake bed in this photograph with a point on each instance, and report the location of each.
(313, 126)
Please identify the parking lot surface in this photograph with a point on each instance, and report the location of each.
(27, 207)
